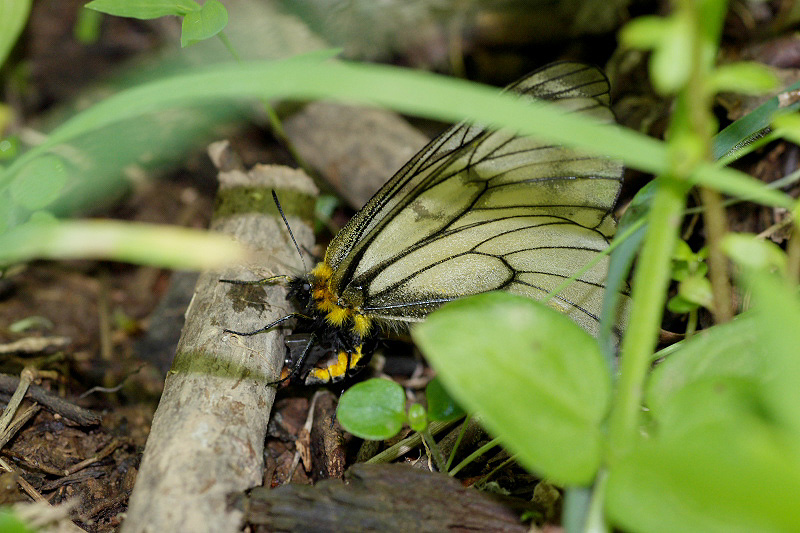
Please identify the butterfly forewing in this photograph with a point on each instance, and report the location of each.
(480, 210)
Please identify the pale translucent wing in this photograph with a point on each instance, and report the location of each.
(478, 210)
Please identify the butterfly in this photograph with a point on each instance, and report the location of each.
(476, 210)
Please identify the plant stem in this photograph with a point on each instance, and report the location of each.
(474, 455)
(433, 449)
(461, 433)
(716, 227)
(649, 295)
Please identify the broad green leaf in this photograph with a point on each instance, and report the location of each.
(537, 379)
(726, 476)
(146, 244)
(40, 183)
(722, 397)
(748, 78)
(204, 23)
(144, 9)
(776, 310)
(13, 16)
(373, 409)
(10, 522)
(722, 351)
(441, 406)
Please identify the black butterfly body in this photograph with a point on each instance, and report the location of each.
(475, 210)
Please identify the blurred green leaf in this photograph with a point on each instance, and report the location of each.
(697, 290)
(144, 9)
(373, 409)
(722, 351)
(752, 252)
(680, 305)
(13, 16)
(726, 476)
(40, 183)
(146, 244)
(748, 78)
(308, 76)
(205, 23)
(776, 309)
(87, 27)
(10, 522)
(441, 406)
(645, 33)
(788, 126)
(537, 379)
(671, 61)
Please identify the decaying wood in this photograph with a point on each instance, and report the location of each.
(327, 439)
(370, 146)
(379, 498)
(208, 432)
(84, 417)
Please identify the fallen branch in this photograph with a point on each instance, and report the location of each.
(207, 437)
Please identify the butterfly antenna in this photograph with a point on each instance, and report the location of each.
(286, 223)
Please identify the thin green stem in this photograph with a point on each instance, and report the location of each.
(433, 450)
(595, 518)
(474, 455)
(461, 433)
(649, 295)
(229, 46)
(478, 484)
(716, 228)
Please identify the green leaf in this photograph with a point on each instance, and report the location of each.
(373, 409)
(40, 183)
(750, 126)
(10, 522)
(743, 77)
(697, 290)
(645, 33)
(146, 244)
(680, 305)
(788, 127)
(308, 77)
(725, 476)
(417, 417)
(207, 22)
(441, 406)
(144, 9)
(754, 253)
(13, 16)
(726, 350)
(671, 61)
(776, 309)
(537, 379)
